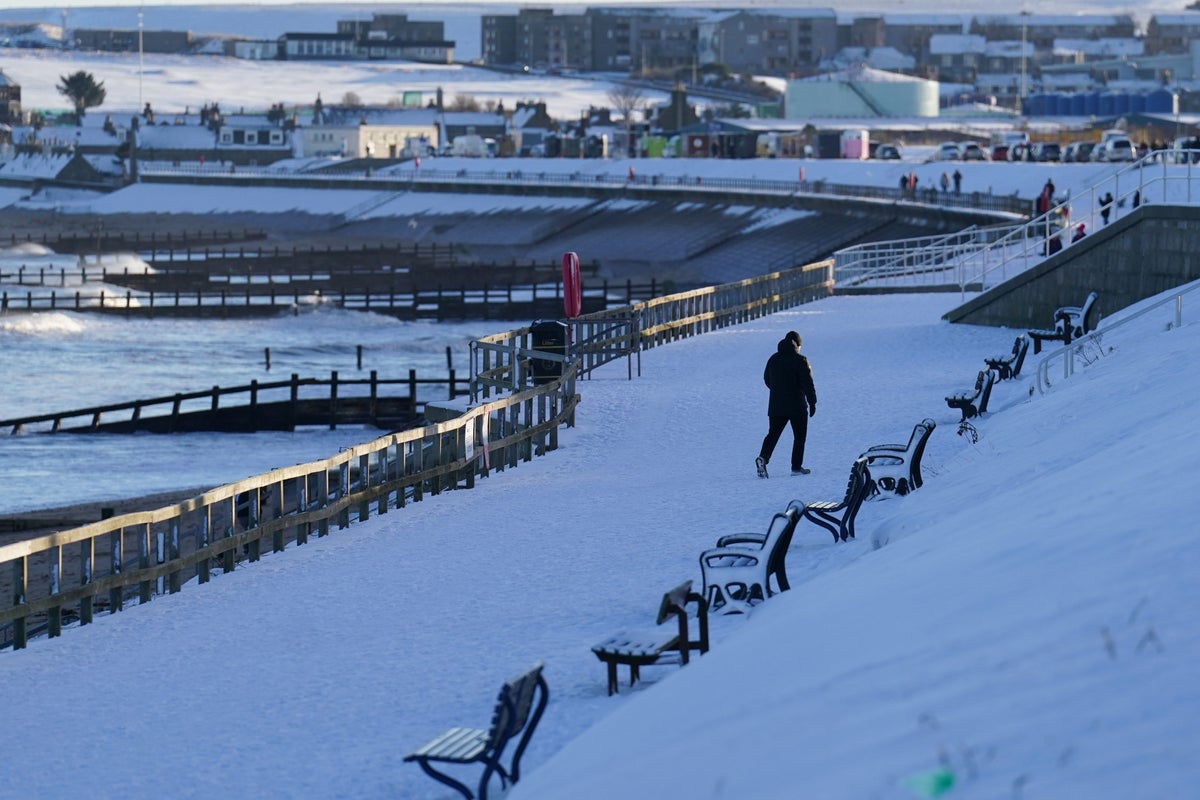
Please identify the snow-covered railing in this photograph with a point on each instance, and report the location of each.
(1168, 177)
(995, 254)
(1091, 344)
(501, 362)
(403, 177)
(916, 261)
(48, 582)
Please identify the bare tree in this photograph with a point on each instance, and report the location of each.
(463, 102)
(351, 100)
(627, 98)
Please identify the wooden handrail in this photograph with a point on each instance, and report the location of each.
(490, 436)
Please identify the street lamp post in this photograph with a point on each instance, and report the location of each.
(140, 105)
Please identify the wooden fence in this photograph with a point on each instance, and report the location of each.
(70, 575)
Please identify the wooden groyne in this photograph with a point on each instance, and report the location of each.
(271, 406)
(511, 301)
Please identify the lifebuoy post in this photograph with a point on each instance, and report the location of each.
(572, 289)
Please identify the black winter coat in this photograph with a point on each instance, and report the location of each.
(789, 377)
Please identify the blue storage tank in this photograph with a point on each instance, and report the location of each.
(1160, 101)
(1091, 104)
(1078, 105)
(1121, 103)
(1137, 103)
(1108, 106)
(1062, 105)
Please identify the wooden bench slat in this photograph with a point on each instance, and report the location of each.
(456, 744)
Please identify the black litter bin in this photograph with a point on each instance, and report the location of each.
(549, 336)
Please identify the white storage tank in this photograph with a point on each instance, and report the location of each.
(861, 92)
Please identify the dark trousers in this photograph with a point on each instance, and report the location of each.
(799, 434)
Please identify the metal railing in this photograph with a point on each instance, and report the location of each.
(985, 257)
(1082, 347)
(404, 178)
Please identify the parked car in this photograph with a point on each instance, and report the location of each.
(888, 152)
(971, 151)
(1020, 152)
(947, 151)
(1000, 152)
(1047, 151)
(1115, 149)
(1078, 152)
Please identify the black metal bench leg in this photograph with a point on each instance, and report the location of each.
(635, 674)
(443, 778)
(612, 678)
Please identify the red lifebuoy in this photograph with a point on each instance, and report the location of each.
(572, 290)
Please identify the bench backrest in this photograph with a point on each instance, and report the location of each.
(988, 378)
(674, 604)
(921, 433)
(1089, 314)
(859, 488)
(514, 706)
(1019, 350)
(785, 523)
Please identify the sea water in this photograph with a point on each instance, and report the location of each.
(53, 361)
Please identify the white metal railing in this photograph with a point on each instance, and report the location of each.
(1079, 347)
(916, 261)
(993, 255)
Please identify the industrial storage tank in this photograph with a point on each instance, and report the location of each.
(1108, 106)
(1062, 105)
(1121, 103)
(1137, 104)
(1078, 105)
(861, 92)
(1162, 101)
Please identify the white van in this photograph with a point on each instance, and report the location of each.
(1118, 148)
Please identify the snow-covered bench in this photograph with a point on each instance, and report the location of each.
(974, 402)
(837, 516)
(1009, 366)
(737, 572)
(1070, 322)
(670, 645)
(897, 467)
(518, 709)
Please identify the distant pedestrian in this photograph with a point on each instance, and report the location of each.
(1080, 232)
(793, 400)
(945, 182)
(903, 185)
(1137, 197)
(1106, 206)
(957, 182)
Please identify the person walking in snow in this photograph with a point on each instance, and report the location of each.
(945, 183)
(957, 182)
(1106, 206)
(793, 400)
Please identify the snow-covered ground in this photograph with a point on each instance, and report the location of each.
(1022, 625)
